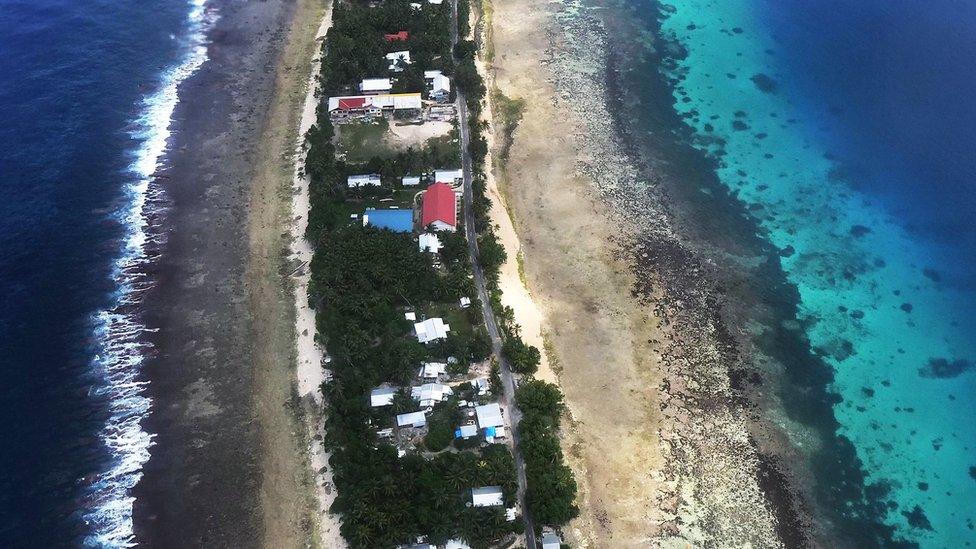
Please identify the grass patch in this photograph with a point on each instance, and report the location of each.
(520, 263)
(507, 114)
(550, 350)
(358, 142)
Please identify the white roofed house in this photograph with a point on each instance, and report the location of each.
(429, 242)
(488, 496)
(550, 540)
(364, 180)
(410, 180)
(381, 396)
(375, 85)
(431, 370)
(398, 58)
(451, 177)
(431, 393)
(489, 415)
(439, 85)
(431, 329)
(413, 419)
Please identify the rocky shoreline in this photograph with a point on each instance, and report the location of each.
(719, 483)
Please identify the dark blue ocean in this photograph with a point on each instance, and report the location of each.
(848, 128)
(86, 93)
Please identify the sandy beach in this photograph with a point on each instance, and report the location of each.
(230, 467)
(310, 357)
(661, 449)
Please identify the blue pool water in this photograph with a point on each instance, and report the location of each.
(86, 94)
(849, 129)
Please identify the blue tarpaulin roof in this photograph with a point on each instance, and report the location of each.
(489, 431)
(395, 220)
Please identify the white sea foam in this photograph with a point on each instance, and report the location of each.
(118, 330)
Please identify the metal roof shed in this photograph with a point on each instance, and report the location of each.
(489, 415)
(487, 496)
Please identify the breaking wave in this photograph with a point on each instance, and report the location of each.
(121, 345)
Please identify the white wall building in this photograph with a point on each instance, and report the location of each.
(410, 180)
(431, 393)
(429, 242)
(451, 177)
(375, 85)
(431, 329)
(381, 396)
(413, 419)
(431, 370)
(397, 58)
(364, 180)
(488, 496)
(489, 415)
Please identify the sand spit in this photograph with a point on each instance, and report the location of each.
(660, 443)
(310, 355)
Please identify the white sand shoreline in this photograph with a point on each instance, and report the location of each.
(309, 371)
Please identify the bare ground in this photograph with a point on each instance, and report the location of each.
(599, 336)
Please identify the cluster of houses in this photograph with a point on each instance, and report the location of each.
(438, 206)
(375, 98)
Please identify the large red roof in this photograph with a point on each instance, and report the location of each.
(351, 103)
(440, 204)
(397, 36)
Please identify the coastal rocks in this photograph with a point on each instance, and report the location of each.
(709, 491)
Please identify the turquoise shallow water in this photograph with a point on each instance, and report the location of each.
(889, 308)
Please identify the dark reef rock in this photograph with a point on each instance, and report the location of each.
(917, 519)
(857, 231)
(932, 275)
(764, 82)
(739, 125)
(943, 369)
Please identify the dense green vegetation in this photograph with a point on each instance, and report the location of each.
(363, 279)
(551, 488)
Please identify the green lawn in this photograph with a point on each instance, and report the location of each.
(360, 141)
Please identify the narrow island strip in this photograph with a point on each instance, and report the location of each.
(433, 430)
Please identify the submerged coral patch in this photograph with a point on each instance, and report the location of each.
(942, 368)
(917, 519)
(764, 82)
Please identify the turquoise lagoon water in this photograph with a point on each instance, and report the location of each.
(890, 305)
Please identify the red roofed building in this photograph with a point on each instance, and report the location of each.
(440, 207)
(401, 36)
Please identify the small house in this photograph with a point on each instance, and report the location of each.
(431, 393)
(429, 242)
(488, 496)
(431, 329)
(438, 85)
(410, 180)
(456, 544)
(413, 419)
(466, 431)
(397, 59)
(400, 36)
(482, 384)
(489, 415)
(450, 177)
(439, 208)
(375, 85)
(363, 180)
(465, 302)
(381, 396)
(431, 370)
(551, 541)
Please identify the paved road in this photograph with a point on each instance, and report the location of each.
(508, 380)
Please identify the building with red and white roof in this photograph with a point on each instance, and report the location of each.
(373, 105)
(439, 207)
